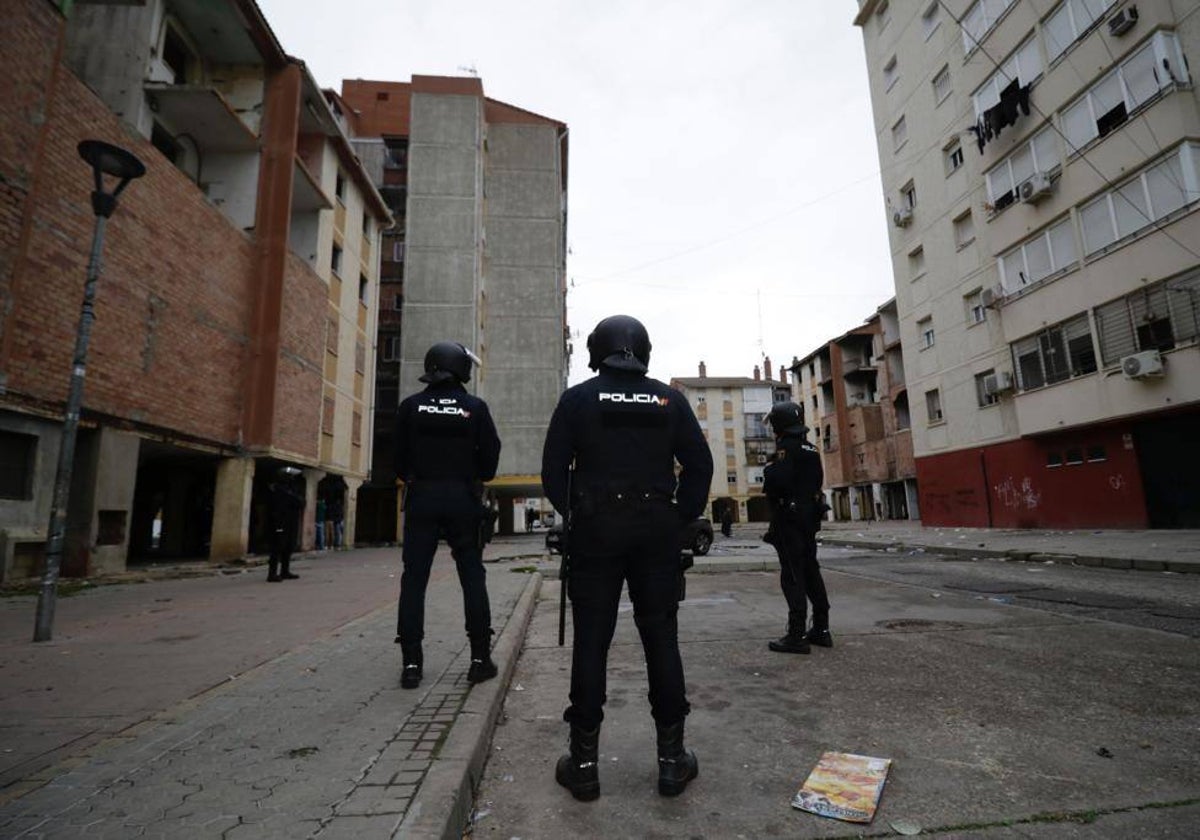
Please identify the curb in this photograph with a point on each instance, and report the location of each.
(1135, 564)
(442, 805)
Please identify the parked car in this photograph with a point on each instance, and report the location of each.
(696, 537)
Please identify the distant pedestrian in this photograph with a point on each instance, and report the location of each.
(613, 442)
(284, 506)
(337, 513)
(726, 521)
(530, 516)
(792, 483)
(319, 524)
(446, 447)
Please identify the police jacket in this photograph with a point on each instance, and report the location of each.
(445, 433)
(624, 432)
(795, 475)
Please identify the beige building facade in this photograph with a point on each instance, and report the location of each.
(1041, 172)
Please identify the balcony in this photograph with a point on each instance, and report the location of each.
(202, 113)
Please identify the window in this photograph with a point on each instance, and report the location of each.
(908, 195)
(327, 412)
(1074, 456)
(933, 406)
(731, 478)
(1038, 154)
(339, 187)
(883, 15)
(336, 261)
(931, 19)
(363, 285)
(899, 134)
(1054, 459)
(1022, 67)
(17, 454)
(903, 418)
(890, 73)
(398, 251)
(390, 350)
(366, 225)
(941, 85)
(976, 311)
(1072, 20)
(982, 397)
(1056, 354)
(164, 141)
(1152, 194)
(979, 19)
(1046, 253)
(398, 301)
(916, 262)
(925, 332)
(954, 157)
(1096, 453)
(1137, 80)
(356, 429)
(1159, 316)
(178, 57)
(964, 230)
(360, 357)
(331, 335)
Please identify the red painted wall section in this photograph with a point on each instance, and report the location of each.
(297, 418)
(1102, 489)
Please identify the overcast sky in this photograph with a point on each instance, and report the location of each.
(723, 178)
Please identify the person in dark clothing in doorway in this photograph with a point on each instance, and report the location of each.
(608, 467)
(792, 483)
(726, 521)
(284, 506)
(446, 447)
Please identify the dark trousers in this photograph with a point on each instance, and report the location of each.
(639, 545)
(283, 542)
(800, 574)
(434, 509)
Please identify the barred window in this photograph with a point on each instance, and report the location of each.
(1157, 317)
(1053, 355)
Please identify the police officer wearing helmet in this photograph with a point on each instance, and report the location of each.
(446, 447)
(284, 506)
(792, 483)
(622, 433)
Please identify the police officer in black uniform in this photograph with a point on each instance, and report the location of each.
(446, 447)
(284, 505)
(792, 483)
(623, 432)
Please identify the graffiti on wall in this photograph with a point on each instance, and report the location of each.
(1018, 497)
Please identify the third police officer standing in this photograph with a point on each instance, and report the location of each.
(446, 447)
(792, 483)
(623, 432)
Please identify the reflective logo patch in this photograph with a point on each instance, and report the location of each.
(447, 407)
(645, 399)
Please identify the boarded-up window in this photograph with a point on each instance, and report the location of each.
(356, 429)
(17, 453)
(331, 335)
(360, 357)
(327, 416)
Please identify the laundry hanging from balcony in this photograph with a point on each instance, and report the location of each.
(1014, 101)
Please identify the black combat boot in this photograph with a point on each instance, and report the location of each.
(819, 634)
(414, 664)
(794, 642)
(577, 771)
(482, 667)
(676, 766)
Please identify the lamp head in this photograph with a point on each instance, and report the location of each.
(107, 159)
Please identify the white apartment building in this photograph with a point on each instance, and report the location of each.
(1041, 172)
(732, 411)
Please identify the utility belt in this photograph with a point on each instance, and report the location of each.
(589, 501)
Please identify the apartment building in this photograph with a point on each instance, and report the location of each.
(855, 400)
(236, 312)
(1041, 171)
(480, 258)
(732, 412)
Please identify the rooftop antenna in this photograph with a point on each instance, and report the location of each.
(469, 68)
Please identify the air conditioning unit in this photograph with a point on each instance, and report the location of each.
(992, 297)
(1036, 188)
(1140, 365)
(902, 218)
(1123, 21)
(997, 383)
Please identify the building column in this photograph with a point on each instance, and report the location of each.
(350, 513)
(308, 524)
(231, 509)
(505, 522)
(910, 490)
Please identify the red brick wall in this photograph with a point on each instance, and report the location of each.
(173, 306)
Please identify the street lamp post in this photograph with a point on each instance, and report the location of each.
(105, 159)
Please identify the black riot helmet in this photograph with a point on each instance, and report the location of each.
(619, 342)
(787, 418)
(448, 360)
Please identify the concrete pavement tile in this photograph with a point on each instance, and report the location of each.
(359, 828)
(373, 800)
(282, 827)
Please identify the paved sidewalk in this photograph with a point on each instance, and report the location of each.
(226, 707)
